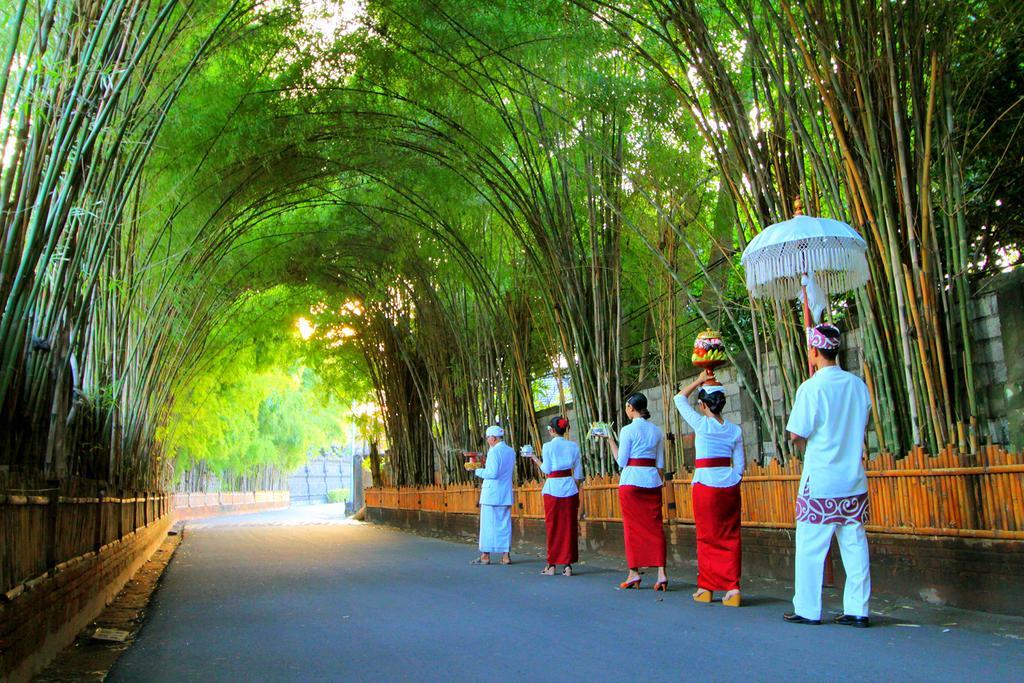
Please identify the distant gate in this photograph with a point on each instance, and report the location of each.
(310, 483)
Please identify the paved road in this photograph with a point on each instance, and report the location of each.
(272, 597)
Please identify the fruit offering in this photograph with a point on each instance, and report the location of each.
(708, 347)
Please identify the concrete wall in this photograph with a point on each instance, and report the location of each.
(991, 321)
(1006, 385)
(983, 575)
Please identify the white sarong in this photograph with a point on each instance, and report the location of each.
(495, 528)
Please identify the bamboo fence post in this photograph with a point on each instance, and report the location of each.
(120, 513)
(52, 512)
(100, 495)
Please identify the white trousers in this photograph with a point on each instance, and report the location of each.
(812, 543)
(495, 528)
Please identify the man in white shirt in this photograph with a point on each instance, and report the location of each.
(496, 498)
(830, 414)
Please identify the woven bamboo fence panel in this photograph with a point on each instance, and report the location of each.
(432, 498)
(529, 501)
(43, 526)
(949, 494)
(599, 499)
(462, 498)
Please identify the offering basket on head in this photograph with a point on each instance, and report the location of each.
(709, 354)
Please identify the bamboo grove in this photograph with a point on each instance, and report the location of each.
(465, 198)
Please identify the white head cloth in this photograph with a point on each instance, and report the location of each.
(816, 299)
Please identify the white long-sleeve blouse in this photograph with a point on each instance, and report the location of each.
(641, 439)
(561, 454)
(713, 439)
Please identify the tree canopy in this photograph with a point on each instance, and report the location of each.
(228, 225)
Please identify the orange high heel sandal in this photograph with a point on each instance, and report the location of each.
(661, 586)
(627, 585)
(702, 595)
(732, 600)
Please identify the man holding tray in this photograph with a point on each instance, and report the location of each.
(496, 498)
(829, 416)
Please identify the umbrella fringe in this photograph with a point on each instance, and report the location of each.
(775, 271)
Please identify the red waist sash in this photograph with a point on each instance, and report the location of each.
(557, 474)
(713, 462)
(642, 462)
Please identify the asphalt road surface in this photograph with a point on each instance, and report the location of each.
(301, 595)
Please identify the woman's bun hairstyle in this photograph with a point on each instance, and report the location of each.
(559, 425)
(639, 403)
(715, 400)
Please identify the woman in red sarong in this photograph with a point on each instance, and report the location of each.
(716, 491)
(563, 467)
(641, 455)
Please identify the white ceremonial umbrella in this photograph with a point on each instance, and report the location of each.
(832, 253)
(791, 259)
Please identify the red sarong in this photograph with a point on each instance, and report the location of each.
(716, 512)
(642, 526)
(561, 517)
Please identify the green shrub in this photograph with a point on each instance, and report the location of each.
(337, 495)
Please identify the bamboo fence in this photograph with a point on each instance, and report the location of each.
(42, 528)
(951, 494)
(45, 526)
